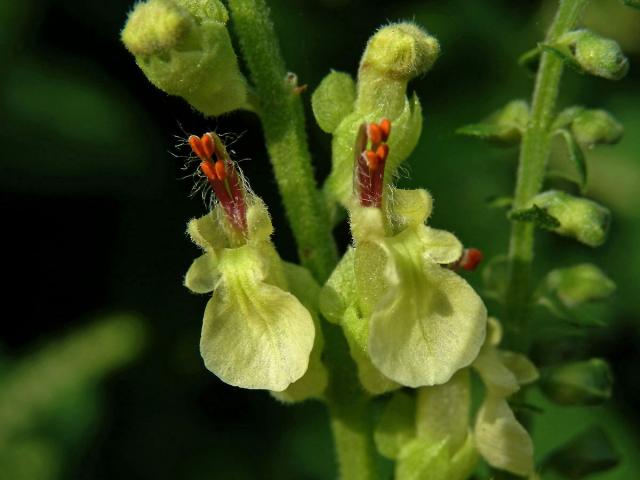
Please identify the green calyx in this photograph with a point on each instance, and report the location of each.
(394, 55)
(503, 127)
(184, 49)
(578, 383)
(589, 52)
(579, 218)
(579, 284)
(596, 127)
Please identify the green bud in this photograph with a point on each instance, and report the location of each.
(184, 49)
(579, 383)
(503, 127)
(394, 55)
(587, 453)
(596, 55)
(592, 127)
(579, 284)
(333, 100)
(582, 219)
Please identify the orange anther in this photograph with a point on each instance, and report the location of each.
(208, 145)
(382, 151)
(372, 159)
(385, 127)
(196, 146)
(471, 258)
(374, 133)
(209, 171)
(220, 171)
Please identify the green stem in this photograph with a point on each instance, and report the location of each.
(534, 154)
(282, 120)
(282, 117)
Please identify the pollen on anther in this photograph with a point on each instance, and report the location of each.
(208, 146)
(471, 258)
(209, 170)
(382, 152)
(372, 159)
(374, 133)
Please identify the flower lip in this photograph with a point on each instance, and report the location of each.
(370, 162)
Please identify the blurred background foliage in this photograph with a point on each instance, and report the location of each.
(94, 220)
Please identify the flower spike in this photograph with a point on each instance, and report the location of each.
(370, 161)
(223, 177)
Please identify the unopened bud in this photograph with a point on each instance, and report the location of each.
(582, 219)
(579, 284)
(184, 49)
(596, 55)
(578, 383)
(593, 127)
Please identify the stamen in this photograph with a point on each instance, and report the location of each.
(208, 145)
(219, 169)
(369, 174)
(470, 259)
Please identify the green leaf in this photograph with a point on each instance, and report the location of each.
(578, 383)
(536, 215)
(587, 453)
(333, 100)
(397, 425)
(576, 156)
(632, 3)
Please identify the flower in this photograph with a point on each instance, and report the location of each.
(255, 333)
(416, 321)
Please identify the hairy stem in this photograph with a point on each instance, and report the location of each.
(534, 154)
(282, 117)
(280, 110)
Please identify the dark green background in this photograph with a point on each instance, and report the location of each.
(93, 219)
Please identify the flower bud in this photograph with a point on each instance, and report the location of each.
(184, 49)
(582, 219)
(587, 453)
(593, 127)
(394, 55)
(579, 284)
(596, 55)
(579, 383)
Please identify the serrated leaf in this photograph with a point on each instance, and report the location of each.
(576, 156)
(563, 53)
(536, 215)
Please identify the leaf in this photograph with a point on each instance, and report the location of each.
(576, 156)
(535, 215)
(632, 3)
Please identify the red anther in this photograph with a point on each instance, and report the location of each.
(372, 159)
(471, 258)
(374, 133)
(208, 145)
(382, 152)
(385, 127)
(220, 170)
(209, 170)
